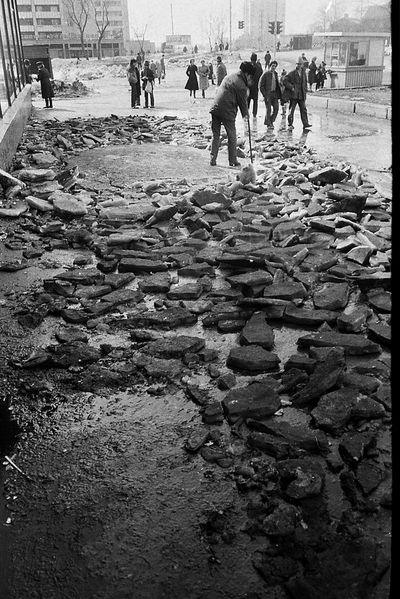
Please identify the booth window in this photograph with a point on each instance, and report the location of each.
(357, 53)
(336, 54)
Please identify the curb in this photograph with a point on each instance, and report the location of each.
(379, 111)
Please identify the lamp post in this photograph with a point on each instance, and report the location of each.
(230, 25)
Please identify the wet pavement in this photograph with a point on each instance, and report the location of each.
(118, 508)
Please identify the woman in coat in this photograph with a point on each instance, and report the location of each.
(45, 85)
(134, 81)
(192, 83)
(312, 73)
(148, 84)
(203, 72)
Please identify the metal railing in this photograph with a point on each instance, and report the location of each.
(13, 77)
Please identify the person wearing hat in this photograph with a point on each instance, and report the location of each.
(203, 72)
(296, 83)
(231, 95)
(45, 84)
(221, 70)
(271, 91)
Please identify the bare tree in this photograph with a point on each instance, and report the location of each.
(78, 11)
(140, 39)
(213, 25)
(100, 9)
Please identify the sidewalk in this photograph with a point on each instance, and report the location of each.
(379, 111)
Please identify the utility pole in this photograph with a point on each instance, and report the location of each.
(172, 20)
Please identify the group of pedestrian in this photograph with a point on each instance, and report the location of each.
(44, 77)
(199, 78)
(141, 81)
(316, 75)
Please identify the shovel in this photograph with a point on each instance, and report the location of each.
(248, 127)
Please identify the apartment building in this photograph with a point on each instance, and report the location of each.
(257, 16)
(48, 23)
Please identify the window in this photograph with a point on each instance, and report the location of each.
(47, 8)
(48, 21)
(27, 35)
(336, 54)
(358, 53)
(24, 8)
(26, 21)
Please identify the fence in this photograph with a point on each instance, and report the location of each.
(12, 73)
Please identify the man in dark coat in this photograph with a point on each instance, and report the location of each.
(254, 88)
(45, 84)
(267, 59)
(221, 70)
(271, 91)
(296, 83)
(231, 95)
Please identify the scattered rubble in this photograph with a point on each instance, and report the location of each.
(171, 266)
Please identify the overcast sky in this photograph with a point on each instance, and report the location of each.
(191, 16)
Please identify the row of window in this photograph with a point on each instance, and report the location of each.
(39, 8)
(40, 21)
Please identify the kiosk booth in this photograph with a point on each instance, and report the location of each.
(354, 59)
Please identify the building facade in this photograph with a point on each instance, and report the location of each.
(48, 22)
(258, 14)
(12, 74)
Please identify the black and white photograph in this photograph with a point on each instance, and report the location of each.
(195, 299)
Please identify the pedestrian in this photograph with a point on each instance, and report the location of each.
(253, 95)
(27, 70)
(285, 94)
(267, 59)
(231, 95)
(45, 84)
(162, 64)
(139, 60)
(211, 75)
(226, 46)
(192, 84)
(320, 76)
(296, 83)
(203, 72)
(133, 76)
(312, 73)
(221, 47)
(153, 67)
(221, 70)
(158, 72)
(278, 45)
(147, 77)
(305, 61)
(291, 43)
(215, 47)
(271, 91)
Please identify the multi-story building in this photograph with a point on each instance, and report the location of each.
(48, 22)
(258, 14)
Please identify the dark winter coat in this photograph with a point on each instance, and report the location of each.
(136, 71)
(231, 95)
(192, 83)
(266, 82)
(45, 84)
(312, 73)
(296, 83)
(147, 75)
(221, 72)
(256, 78)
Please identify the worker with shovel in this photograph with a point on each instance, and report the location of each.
(231, 95)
